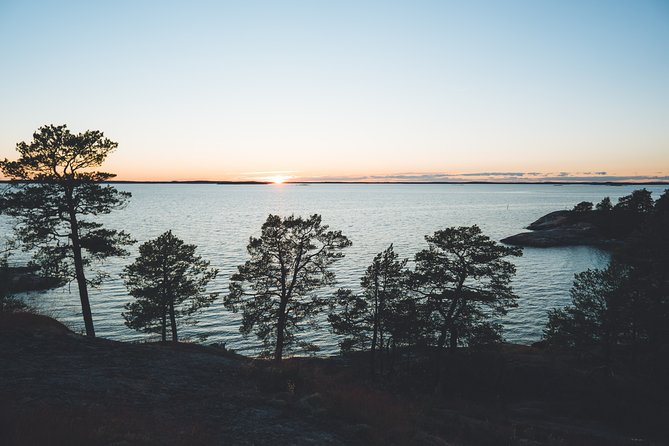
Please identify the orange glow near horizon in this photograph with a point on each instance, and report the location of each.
(299, 92)
(279, 179)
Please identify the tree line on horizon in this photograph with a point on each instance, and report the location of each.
(453, 296)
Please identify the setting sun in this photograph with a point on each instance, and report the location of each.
(278, 179)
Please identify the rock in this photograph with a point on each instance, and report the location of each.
(278, 403)
(423, 438)
(25, 278)
(559, 228)
(550, 221)
(573, 234)
(541, 345)
(32, 324)
(359, 430)
(312, 403)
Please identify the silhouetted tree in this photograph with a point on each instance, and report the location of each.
(604, 205)
(638, 201)
(623, 310)
(599, 316)
(583, 206)
(4, 272)
(53, 189)
(646, 254)
(7, 302)
(366, 319)
(169, 281)
(290, 260)
(465, 282)
(662, 204)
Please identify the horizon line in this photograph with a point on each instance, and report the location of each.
(255, 182)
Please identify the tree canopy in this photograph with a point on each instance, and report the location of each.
(372, 317)
(621, 312)
(583, 206)
(639, 201)
(604, 205)
(169, 281)
(465, 281)
(54, 189)
(275, 288)
(8, 303)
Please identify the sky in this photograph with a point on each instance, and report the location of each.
(346, 90)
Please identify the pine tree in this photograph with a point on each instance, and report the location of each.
(372, 317)
(275, 289)
(465, 282)
(169, 282)
(54, 189)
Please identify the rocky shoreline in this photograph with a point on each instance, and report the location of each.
(26, 278)
(563, 228)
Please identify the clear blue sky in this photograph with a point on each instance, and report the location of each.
(314, 89)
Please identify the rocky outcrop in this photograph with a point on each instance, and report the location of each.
(58, 387)
(551, 221)
(560, 228)
(26, 278)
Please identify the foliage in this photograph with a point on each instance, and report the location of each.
(8, 303)
(662, 204)
(596, 317)
(465, 282)
(4, 273)
(639, 201)
(53, 187)
(583, 206)
(604, 205)
(168, 280)
(622, 310)
(376, 317)
(275, 289)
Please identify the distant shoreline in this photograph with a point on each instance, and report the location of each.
(556, 183)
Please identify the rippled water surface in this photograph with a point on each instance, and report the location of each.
(220, 219)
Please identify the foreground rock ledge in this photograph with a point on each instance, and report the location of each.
(60, 388)
(57, 387)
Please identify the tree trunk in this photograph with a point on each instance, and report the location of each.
(173, 322)
(375, 335)
(393, 355)
(454, 338)
(280, 328)
(442, 339)
(163, 331)
(381, 349)
(372, 355)
(437, 361)
(79, 269)
(372, 358)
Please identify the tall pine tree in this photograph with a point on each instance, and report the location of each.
(54, 192)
